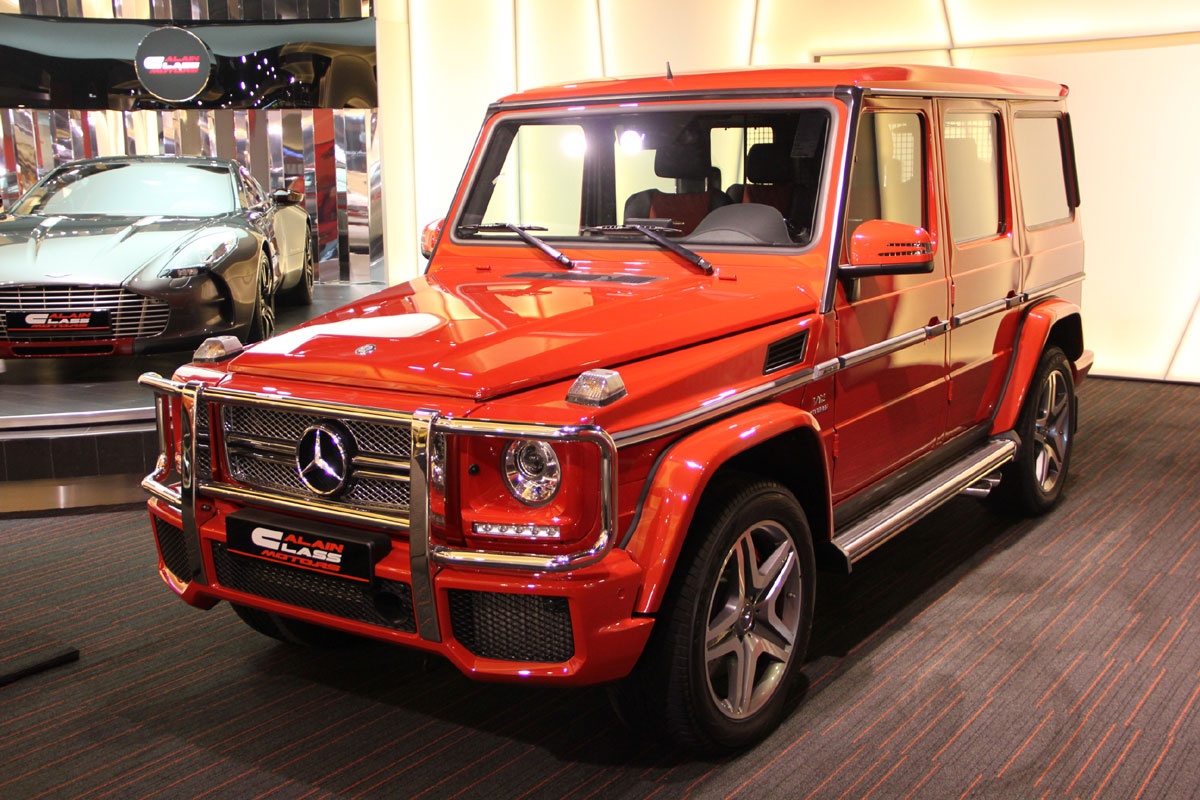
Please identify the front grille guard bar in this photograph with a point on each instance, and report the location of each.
(422, 424)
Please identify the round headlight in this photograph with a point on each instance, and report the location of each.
(531, 471)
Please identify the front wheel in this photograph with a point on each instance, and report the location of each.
(732, 634)
(262, 322)
(1034, 480)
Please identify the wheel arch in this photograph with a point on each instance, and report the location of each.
(1052, 322)
(773, 441)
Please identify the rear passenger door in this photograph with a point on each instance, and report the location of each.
(982, 247)
(891, 397)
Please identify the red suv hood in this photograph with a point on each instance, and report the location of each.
(482, 332)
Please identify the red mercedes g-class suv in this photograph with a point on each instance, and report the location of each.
(681, 340)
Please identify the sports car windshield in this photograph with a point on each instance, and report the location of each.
(117, 188)
(592, 176)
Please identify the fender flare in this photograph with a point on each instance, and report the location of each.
(681, 478)
(1036, 330)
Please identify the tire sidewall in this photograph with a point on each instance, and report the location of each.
(769, 503)
(1037, 500)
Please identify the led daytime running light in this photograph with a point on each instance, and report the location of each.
(521, 530)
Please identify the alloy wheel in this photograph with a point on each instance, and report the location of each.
(753, 619)
(1051, 430)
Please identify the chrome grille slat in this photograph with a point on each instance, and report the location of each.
(260, 446)
(131, 315)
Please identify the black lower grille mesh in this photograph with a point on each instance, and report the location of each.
(306, 589)
(173, 549)
(512, 627)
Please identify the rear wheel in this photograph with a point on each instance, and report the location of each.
(292, 631)
(1034, 480)
(731, 637)
(262, 323)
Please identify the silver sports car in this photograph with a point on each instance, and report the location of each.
(134, 254)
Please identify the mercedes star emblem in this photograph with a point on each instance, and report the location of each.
(365, 350)
(323, 459)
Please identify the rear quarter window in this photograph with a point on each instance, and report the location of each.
(1040, 169)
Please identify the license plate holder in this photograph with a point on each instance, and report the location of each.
(306, 545)
(97, 322)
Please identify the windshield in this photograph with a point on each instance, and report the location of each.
(678, 171)
(133, 189)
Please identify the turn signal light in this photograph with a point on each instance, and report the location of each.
(217, 348)
(597, 387)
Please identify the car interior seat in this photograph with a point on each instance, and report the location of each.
(769, 178)
(695, 195)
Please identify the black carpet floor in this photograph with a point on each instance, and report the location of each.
(974, 656)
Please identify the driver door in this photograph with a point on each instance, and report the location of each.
(891, 398)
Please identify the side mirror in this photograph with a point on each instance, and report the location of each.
(882, 247)
(429, 237)
(286, 197)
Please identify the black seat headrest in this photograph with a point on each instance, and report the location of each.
(768, 162)
(681, 161)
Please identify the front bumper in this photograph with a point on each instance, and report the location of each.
(498, 616)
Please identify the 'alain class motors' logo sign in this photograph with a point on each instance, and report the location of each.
(173, 64)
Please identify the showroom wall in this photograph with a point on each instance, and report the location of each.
(1131, 69)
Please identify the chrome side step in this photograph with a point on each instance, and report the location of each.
(868, 533)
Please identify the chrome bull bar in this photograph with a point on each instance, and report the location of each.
(423, 423)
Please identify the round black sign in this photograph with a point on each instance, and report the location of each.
(173, 64)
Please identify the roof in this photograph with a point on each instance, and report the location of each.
(209, 160)
(906, 78)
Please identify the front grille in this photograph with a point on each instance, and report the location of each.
(260, 451)
(316, 592)
(512, 627)
(131, 315)
(203, 443)
(173, 549)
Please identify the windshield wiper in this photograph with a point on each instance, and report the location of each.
(655, 234)
(523, 232)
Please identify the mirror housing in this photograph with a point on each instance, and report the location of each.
(883, 247)
(429, 237)
(286, 197)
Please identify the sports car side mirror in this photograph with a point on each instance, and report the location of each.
(286, 197)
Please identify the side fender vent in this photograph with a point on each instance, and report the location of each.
(786, 352)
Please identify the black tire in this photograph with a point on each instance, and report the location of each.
(293, 631)
(710, 627)
(1033, 481)
(302, 293)
(262, 323)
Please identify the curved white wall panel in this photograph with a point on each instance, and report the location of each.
(557, 42)
(640, 37)
(790, 32)
(986, 22)
(1138, 175)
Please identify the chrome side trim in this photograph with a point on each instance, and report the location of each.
(869, 533)
(1050, 288)
(711, 408)
(982, 311)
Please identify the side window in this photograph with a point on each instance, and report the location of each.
(1040, 167)
(973, 175)
(889, 171)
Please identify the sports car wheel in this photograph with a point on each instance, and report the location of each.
(731, 636)
(262, 324)
(302, 293)
(292, 631)
(1034, 480)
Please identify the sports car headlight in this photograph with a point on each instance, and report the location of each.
(200, 254)
(531, 471)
